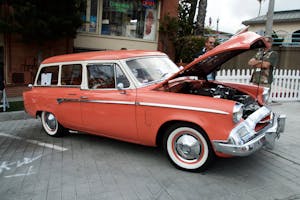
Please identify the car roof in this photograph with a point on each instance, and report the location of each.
(101, 55)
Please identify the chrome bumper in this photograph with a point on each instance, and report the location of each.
(265, 137)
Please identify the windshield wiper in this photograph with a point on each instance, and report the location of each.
(163, 75)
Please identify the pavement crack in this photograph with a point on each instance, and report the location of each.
(292, 197)
(285, 158)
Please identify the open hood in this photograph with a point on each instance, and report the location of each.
(212, 60)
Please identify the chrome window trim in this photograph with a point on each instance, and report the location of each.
(132, 77)
(116, 63)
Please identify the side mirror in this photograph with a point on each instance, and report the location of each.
(120, 87)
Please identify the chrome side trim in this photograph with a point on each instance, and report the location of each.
(61, 100)
(183, 107)
(109, 102)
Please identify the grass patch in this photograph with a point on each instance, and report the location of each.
(14, 106)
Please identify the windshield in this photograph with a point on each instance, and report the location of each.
(151, 69)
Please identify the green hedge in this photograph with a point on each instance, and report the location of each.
(186, 47)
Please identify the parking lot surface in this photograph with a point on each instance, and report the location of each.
(80, 166)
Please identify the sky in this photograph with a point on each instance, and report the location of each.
(231, 13)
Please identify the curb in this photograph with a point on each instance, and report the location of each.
(15, 115)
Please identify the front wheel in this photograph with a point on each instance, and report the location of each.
(51, 125)
(188, 147)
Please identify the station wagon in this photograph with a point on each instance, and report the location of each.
(142, 97)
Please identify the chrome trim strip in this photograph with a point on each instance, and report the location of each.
(109, 102)
(61, 100)
(183, 107)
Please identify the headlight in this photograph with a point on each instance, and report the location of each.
(266, 94)
(237, 112)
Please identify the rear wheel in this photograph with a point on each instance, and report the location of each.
(51, 125)
(188, 147)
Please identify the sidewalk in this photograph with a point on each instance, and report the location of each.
(14, 115)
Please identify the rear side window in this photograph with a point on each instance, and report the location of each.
(48, 76)
(101, 76)
(106, 76)
(71, 75)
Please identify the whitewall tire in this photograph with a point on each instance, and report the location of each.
(51, 126)
(187, 147)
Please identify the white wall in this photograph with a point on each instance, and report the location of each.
(90, 41)
(282, 29)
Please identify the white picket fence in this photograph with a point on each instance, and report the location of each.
(285, 87)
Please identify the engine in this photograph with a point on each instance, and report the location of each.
(219, 91)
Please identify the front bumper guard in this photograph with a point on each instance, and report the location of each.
(266, 137)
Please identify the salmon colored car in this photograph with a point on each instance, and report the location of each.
(142, 97)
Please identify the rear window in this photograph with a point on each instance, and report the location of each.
(48, 76)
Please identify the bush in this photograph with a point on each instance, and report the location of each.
(186, 47)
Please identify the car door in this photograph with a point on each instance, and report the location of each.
(69, 97)
(105, 109)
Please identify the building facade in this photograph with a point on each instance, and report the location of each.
(116, 24)
(286, 24)
(109, 25)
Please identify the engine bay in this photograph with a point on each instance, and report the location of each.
(214, 90)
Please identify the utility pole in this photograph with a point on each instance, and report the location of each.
(269, 22)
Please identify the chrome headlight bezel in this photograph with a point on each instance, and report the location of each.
(240, 134)
(237, 113)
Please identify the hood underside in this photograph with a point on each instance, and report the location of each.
(212, 60)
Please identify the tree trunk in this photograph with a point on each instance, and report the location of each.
(192, 11)
(201, 17)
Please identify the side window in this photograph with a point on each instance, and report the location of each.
(48, 76)
(121, 77)
(71, 75)
(101, 76)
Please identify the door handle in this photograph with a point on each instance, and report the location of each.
(83, 97)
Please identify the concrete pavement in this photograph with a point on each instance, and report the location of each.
(79, 166)
(15, 115)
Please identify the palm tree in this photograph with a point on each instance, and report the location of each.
(259, 1)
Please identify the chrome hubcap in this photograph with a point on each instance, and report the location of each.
(188, 147)
(50, 121)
